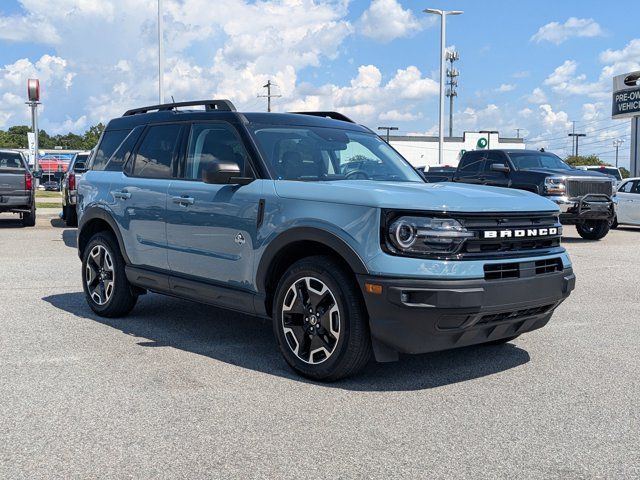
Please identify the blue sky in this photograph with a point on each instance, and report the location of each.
(537, 65)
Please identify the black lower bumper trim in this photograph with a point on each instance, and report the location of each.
(418, 316)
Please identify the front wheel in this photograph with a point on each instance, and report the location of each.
(614, 223)
(320, 321)
(105, 283)
(593, 229)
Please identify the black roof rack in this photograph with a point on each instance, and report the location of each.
(333, 115)
(221, 105)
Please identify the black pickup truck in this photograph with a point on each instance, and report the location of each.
(17, 189)
(584, 197)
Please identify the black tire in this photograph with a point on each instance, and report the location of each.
(593, 229)
(614, 223)
(350, 350)
(70, 215)
(120, 298)
(502, 341)
(29, 219)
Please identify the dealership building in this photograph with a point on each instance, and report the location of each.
(422, 150)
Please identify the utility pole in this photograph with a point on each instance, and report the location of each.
(443, 23)
(576, 136)
(388, 129)
(452, 84)
(616, 143)
(160, 53)
(269, 95)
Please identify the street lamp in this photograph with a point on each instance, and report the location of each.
(387, 129)
(443, 23)
(160, 54)
(616, 143)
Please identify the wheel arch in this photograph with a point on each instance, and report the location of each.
(293, 245)
(94, 220)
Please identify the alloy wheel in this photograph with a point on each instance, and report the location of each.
(311, 320)
(100, 275)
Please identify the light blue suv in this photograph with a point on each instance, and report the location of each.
(315, 222)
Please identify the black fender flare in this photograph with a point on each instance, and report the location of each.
(313, 234)
(100, 213)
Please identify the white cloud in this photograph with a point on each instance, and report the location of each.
(30, 28)
(396, 116)
(565, 81)
(386, 20)
(558, 33)
(537, 96)
(521, 74)
(563, 73)
(505, 87)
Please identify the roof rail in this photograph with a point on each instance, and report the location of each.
(221, 105)
(333, 115)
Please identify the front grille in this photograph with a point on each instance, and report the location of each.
(503, 247)
(518, 314)
(580, 188)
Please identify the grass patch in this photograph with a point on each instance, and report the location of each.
(43, 194)
(48, 205)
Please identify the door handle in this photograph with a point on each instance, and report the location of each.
(122, 195)
(184, 201)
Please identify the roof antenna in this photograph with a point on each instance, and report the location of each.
(173, 100)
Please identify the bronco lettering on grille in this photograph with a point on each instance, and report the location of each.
(520, 233)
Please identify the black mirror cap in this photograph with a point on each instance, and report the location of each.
(500, 167)
(224, 173)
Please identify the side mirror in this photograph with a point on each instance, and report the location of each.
(499, 167)
(37, 174)
(225, 173)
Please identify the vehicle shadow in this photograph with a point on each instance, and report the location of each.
(8, 222)
(248, 342)
(69, 234)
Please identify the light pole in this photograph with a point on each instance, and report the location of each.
(616, 143)
(387, 129)
(160, 53)
(443, 24)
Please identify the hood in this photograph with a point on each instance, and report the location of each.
(444, 197)
(566, 173)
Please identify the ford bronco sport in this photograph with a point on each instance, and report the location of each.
(313, 221)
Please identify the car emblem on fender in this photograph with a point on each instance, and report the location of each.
(239, 239)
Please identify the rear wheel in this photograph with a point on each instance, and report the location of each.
(29, 218)
(593, 229)
(319, 320)
(70, 215)
(106, 288)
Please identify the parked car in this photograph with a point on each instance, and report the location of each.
(17, 190)
(254, 212)
(52, 186)
(628, 209)
(613, 172)
(585, 198)
(438, 173)
(77, 167)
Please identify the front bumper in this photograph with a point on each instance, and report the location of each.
(418, 316)
(589, 207)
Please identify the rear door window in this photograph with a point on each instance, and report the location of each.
(157, 153)
(471, 163)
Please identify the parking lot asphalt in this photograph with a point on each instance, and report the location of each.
(181, 390)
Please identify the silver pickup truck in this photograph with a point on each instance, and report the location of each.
(17, 193)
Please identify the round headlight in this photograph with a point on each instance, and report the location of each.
(403, 234)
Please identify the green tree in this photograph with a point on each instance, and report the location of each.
(581, 160)
(624, 172)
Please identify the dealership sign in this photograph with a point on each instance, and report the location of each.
(626, 95)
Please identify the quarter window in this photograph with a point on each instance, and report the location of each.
(210, 143)
(111, 140)
(154, 158)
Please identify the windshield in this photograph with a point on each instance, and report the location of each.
(325, 154)
(532, 160)
(611, 171)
